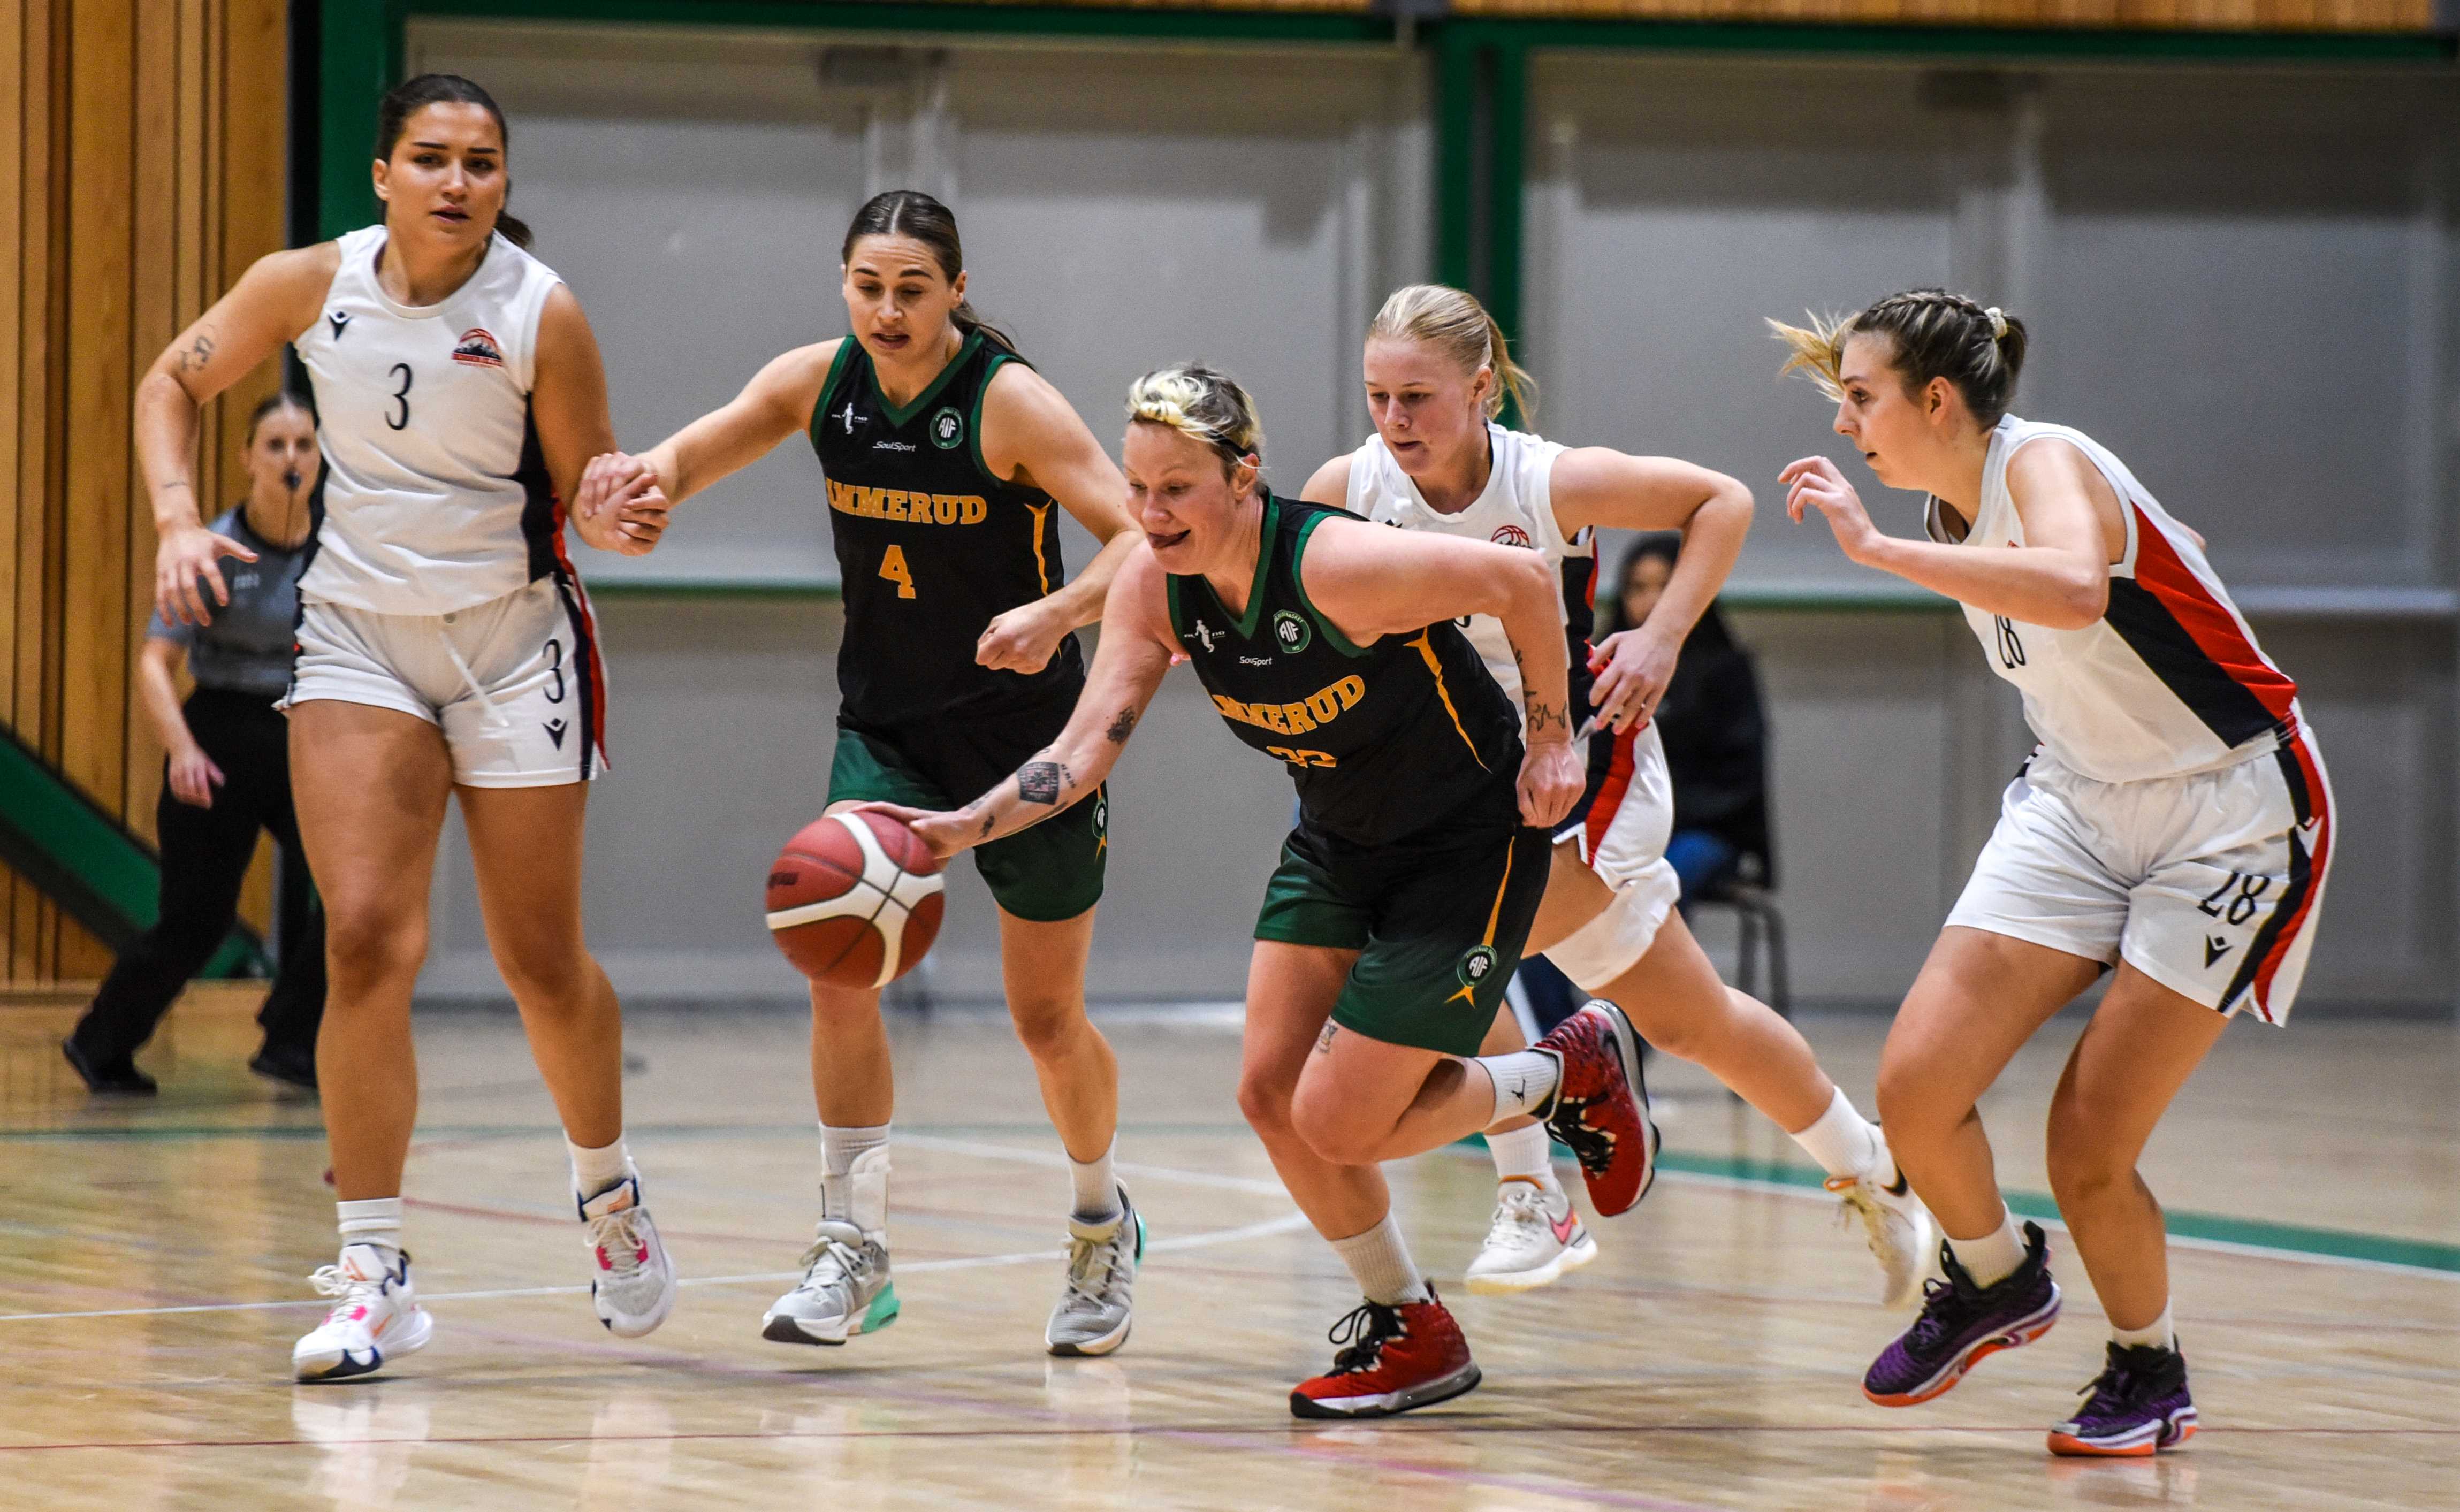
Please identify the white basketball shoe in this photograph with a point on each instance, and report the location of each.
(632, 1280)
(1902, 1236)
(377, 1317)
(846, 1288)
(1536, 1238)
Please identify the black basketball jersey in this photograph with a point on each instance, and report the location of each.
(1383, 741)
(930, 546)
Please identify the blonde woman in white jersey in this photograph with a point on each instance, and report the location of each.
(1437, 371)
(2174, 826)
(445, 649)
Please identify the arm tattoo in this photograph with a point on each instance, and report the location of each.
(1041, 782)
(200, 352)
(1324, 1041)
(1119, 727)
(1544, 717)
(990, 822)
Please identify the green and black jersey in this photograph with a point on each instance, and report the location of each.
(1383, 741)
(930, 546)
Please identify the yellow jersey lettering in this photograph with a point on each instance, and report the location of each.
(972, 509)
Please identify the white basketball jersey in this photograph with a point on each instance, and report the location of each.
(436, 497)
(2169, 681)
(1516, 508)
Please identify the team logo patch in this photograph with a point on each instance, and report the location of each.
(948, 430)
(478, 348)
(1477, 964)
(1510, 536)
(1290, 629)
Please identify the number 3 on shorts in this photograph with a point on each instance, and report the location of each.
(892, 567)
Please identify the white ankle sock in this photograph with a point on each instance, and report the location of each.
(1523, 1081)
(1381, 1262)
(594, 1170)
(1993, 1257)
(1528, 1153)
(2160, 1333)
(1842, 1141)
(370, 1221)
(1097, 1189)
(839, 1149)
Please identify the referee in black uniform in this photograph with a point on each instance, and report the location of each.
(226, 775)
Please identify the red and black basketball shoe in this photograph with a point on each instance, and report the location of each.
(1601, 1107)
(1394, 1359)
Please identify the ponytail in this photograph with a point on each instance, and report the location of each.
(1935, 334)
(1455, 323)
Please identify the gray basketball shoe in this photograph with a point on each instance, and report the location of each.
(846, 1288)
(1098, 1306)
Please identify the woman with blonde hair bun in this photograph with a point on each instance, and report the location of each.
(1398, 909)
(1438, 372)
(2173, 828)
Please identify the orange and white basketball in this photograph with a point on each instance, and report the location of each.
(854, 900)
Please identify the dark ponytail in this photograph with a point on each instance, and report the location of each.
(912, 212)
(410, 97)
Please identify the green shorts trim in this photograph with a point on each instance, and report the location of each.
(1050, 873)
(1438, 924)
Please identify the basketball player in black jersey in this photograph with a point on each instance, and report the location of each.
(943, 454)
(1398, 911)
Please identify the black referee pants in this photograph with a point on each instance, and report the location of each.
(205, 853)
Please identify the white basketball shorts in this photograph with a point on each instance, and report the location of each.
(2210, 883)
(1622, 838)
(516, 683)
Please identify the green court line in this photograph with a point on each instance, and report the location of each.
(2338, 1244)
(2253, 1233)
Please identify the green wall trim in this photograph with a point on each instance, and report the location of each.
(86, 861)
(1973, 42)
(889, 15)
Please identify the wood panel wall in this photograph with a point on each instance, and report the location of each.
(142, 169)
(2188, 15)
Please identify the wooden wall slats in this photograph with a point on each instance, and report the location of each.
(142, 169)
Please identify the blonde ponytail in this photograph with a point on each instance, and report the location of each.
(1457, 324)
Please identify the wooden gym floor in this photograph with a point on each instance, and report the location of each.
(152, 1258)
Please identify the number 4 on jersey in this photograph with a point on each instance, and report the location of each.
(891, 566)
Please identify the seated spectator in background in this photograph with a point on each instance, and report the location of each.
(1714, 729)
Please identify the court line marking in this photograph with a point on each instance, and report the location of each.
(1296, 1434)
(1264, 1229)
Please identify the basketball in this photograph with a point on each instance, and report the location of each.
(855, 901)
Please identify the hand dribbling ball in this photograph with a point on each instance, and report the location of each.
(854, 900)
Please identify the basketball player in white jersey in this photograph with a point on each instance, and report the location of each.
(445, 650)
(2174, 826)
(1437, 371)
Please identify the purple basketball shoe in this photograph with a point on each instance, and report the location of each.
(1961, 1322)
(2137, 1406)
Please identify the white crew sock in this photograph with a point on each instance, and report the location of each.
(595, 1171)
(1381, 1262)
(1993, 1257)
(1527, 1154)
(839, 1149)
(370, 1221)
(1844, 1143)
(1097, 1189)
(2160, 1333)
(1523, 1081)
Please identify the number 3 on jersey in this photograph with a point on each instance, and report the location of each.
(891, 566)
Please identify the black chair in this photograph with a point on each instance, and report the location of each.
(1761, 930)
